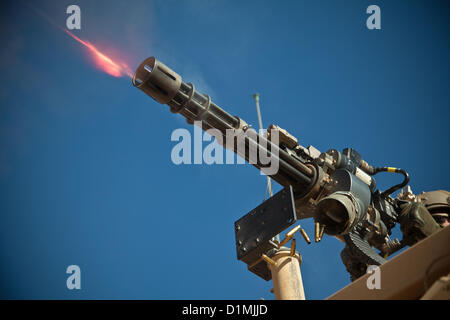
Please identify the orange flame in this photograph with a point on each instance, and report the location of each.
(102, 61)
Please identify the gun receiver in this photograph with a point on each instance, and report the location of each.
(337, 189)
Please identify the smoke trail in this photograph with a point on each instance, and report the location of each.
(100, 59)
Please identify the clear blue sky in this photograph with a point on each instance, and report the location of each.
(85, 170)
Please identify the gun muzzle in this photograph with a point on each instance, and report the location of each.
(157, 80)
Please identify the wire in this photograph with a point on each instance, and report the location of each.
(397, 186)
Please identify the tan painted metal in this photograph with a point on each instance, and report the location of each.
(408, 275)
(440, 290)
(286, 276)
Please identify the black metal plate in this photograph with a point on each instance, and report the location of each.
(261, 269)
(254, 230)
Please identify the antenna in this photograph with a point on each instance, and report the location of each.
(269, 181)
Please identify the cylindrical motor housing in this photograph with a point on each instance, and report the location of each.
(351, 161)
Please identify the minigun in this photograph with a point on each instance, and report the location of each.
(336, 189)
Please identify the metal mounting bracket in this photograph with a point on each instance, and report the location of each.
(255, 231)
